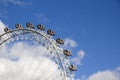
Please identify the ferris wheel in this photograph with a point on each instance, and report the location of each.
(60, 69)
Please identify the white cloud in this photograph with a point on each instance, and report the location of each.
(70, 43)
(23, 62)
(79, 57)
(15, 2)
(2, 26)
(118, 69)
(3, 14)
(42, 17)
(105, 75)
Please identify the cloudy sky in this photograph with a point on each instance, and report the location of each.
(91, 29)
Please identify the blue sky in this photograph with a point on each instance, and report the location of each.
(93, 24)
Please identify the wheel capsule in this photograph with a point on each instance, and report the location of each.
(18, 26)
(67, 52)
(60, 41)
(50, 32)
(29, 25)
(7, 30)
(73, 67)
(41, 27)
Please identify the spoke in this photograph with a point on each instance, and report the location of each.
(50, 69)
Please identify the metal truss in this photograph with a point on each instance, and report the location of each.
(45, 40)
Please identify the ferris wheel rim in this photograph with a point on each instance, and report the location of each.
(40, 33)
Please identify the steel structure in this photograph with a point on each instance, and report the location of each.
(61, 56)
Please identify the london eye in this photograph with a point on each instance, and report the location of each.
(51, 50)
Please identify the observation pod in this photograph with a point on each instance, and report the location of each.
(73, 67)
(41, 27)
(18, 26)
(7, 30)
(50, 32)
(60, 41)
(67, 52)
(29, 25)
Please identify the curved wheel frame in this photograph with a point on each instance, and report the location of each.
(46, 40)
